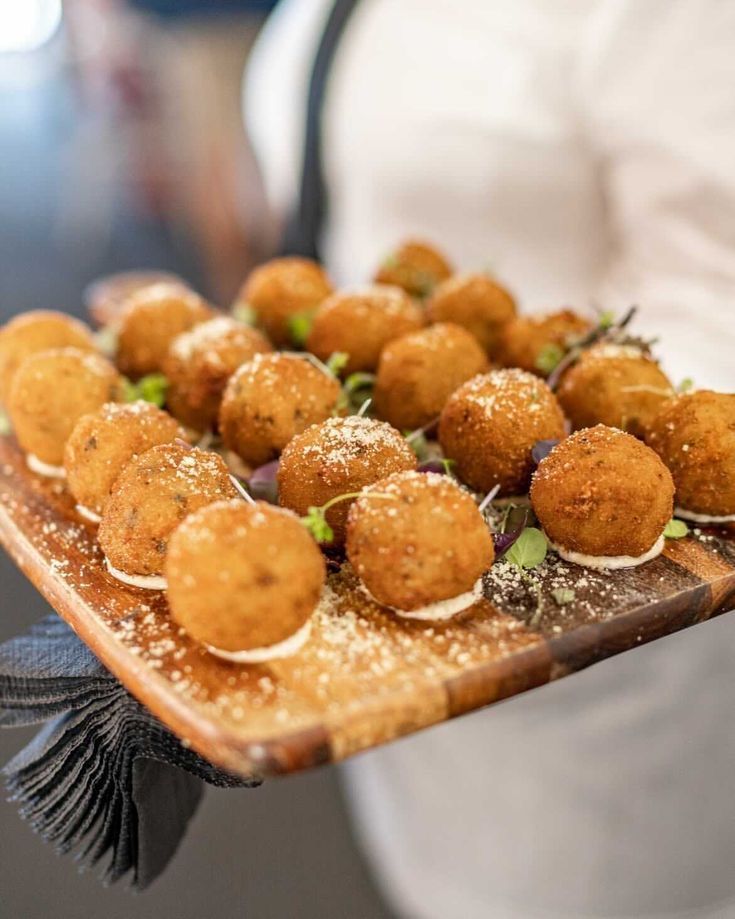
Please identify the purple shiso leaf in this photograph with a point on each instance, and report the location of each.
(503, 541)
(541, 449)
(434, 465)
(519, 518)
(263, 484)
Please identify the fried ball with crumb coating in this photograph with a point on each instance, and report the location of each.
(528, 341)
(152, 495)
(102, 442)
(617, 385)
(51, 391)
(418, 372)
(338, 457)
(429, 543)
(36, 331)
(489, 427)
(199, 364)
(694, 434)
(150, 320)
(601, 492)
(283, 288)
(243, 576)
(106, 297)
(477, 303)
(416, 266)
(361, 322)
(271, 399)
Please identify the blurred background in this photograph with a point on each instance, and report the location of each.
(121, 147)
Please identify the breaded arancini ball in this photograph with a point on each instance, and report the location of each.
(106, 297)
(103, 441)
(152, 495)
(602, 493)
(416, 266)
(199, 364)
(477, 303)
(527, 340)
(430, 543)
(694, 434)
(361, 322)
(418, 372)
(243, 576)
(489, 427)
(150, 320)
(616, 385)
(51, 391)
(281, 289)
(338, 457)
(36, 331)
(271, 399)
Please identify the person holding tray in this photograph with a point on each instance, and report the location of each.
(585, 151)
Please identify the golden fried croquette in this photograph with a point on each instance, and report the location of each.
(418, 372)
(477, 303)
(489, 427)
(603, 493)
(152, 495)
(694, 434)
(199, 364)
(243, 576)
(429, 543)
(536, 343)
(269, 400)
(415, 266)
(103, 441)
(51, 390)
(36, 331)
(338, 457)
(281, 289)
(106, 297)
(616, 385)
(149, 322)
(361, 322)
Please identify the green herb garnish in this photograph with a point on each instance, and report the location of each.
(529, 550)
(151, 388)
(549, 358)
(606, 320)
(244, 313)
(299, 326)
(448, 464)
(337, 362)
(675, 529)
(315, 519)
(563, 595)
(686, 385)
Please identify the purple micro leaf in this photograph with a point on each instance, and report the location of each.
(541, 449)
(503, 542)
(263, 484)
(434, 465)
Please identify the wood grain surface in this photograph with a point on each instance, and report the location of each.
(365, 677)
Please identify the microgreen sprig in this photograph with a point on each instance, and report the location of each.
(675, 529)
(245, 314)
(529, 550)
(299, 326)
(152, 388)
(315, 519)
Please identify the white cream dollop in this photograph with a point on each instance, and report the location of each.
(435, 612)
(608, 561)
(286, 648)
(702, 518)
(45, 469)
(146, 581)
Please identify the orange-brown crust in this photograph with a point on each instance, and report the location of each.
(361, 322)
(199, 364)
(694, 434)
(523, 340)
(418, 372)
(616, 386)
(51, 390)
(271, 399)
(103, 442)
(243, 576)
(151, 320)
(152, 495)
(337, 457)
(490, 425)
(416, 266)
(426, 542)
(281, 289)
(603, 492)
(477, 303)
(38, 330)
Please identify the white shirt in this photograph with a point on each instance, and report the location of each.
(585, 150)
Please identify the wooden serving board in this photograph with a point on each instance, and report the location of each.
(365, 677)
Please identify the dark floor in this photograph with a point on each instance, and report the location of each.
(280, 851)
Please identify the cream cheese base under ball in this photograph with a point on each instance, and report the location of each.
(608, 561)
(286, 648)
(694, 517)
(145, 581)
(45, 469)
(435, 612)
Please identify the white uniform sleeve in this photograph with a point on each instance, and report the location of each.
(658, 91)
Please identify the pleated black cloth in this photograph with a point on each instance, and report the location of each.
(103, 777)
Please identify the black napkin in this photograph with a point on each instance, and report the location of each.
(103, 776)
